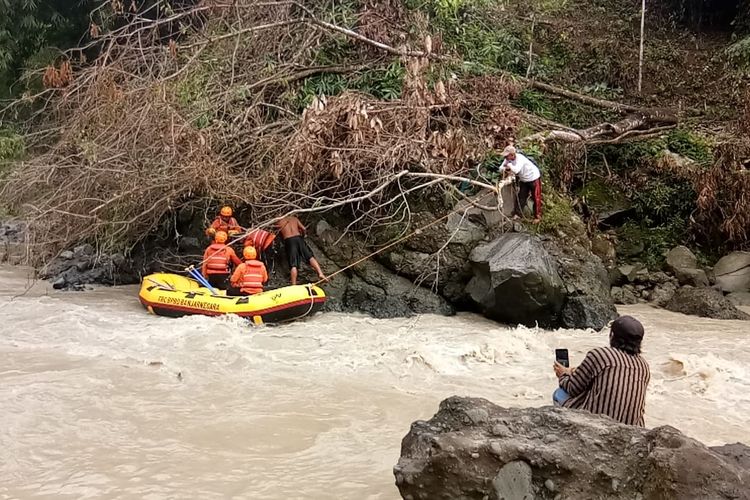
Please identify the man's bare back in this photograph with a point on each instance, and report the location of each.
(290, 226)
(292, 231)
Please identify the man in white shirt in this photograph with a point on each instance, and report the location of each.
(529, 182)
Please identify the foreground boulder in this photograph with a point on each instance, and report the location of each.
(473, 449)
(704, 302)
(516, 281)
(733, 272)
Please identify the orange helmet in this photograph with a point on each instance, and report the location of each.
(249, 253)
(226, 211)
(220, 237)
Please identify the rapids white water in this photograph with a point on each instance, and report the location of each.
(100, 400)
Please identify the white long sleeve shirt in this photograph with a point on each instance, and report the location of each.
(524, 168)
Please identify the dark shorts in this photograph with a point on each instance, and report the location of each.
(297, 251)
(219, 280)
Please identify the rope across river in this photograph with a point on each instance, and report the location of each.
(499, 207)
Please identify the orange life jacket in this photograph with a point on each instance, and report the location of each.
(220, 225)
(260, 239)
(217, 259)
(253, 276)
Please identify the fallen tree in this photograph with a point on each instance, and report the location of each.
(156, 123)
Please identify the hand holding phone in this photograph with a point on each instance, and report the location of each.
(561, 356)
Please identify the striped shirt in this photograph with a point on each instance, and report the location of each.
(609, 382)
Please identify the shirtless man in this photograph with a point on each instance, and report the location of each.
(297, 251)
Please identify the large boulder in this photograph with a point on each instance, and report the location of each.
(683, 263)
(516, 281)
(473, 449)
(681, 257)
(739, 298)
(733, 272)
(623, 296)
(704, 302)
(369, 286)
(588, 303)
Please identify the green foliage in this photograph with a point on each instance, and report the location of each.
(192, 97)
(382, 83)
(623, 157)
(327, 84)
(602, 197)
(385, 83)
(657, 240)
(29, 26)
(334, 51)
(536, 102)
(11, 150)
(11, 146)
(662, 200)
(557, 211)
(341, 13)
(690, 145)
(663, 206)
(471, 28)
(562, 111)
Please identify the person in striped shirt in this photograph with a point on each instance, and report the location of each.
(611, 380)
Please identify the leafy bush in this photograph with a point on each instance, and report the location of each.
(470, 28)
(193, 98)
(662, 200)
(623, 157)
(657, 240)
(383, 83)
(535, 102)
(690, 145)
(739, 53)
(11, 146)
(557, 211)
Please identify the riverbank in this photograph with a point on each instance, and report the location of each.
(102, 397)
(386, 121)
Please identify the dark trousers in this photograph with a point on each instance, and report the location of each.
(525, 189)
(218, 280)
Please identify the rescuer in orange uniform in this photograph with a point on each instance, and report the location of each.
(224, 222)
(249, 276)
(216, 261)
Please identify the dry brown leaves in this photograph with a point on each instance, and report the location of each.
(382, 20)
(55, 78)
(126, 152)
(724, 195)
(354, 139)
(124, 160)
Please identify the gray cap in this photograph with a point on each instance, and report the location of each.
(627, 326)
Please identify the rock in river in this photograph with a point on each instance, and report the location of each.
(554, 453)
(516, 281)
(684, 265)
(704, 302)
(733, 272)
(520, 278)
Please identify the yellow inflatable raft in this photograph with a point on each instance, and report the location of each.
(174, 295)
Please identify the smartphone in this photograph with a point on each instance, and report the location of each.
(561, 356)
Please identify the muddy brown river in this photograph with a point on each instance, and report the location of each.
(100, 400)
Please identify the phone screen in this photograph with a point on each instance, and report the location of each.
(561, 356)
